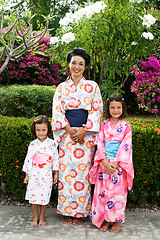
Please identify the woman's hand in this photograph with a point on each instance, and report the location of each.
(79, 135)
(109, 167)
(70, 130)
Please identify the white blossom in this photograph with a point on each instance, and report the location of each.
(68, 37)
(135, 1)
(148, 20)
(54, 40)
(134, 43)
(87, 11)
(147, 35)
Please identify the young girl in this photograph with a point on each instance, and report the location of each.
(42, 157)
(112, 172)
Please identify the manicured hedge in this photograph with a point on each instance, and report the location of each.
(15, 136)
(26, 100)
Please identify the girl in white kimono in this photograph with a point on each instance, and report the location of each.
(77, 114)
(41, 160)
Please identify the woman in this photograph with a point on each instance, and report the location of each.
(77, 114)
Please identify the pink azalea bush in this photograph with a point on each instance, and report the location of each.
(34, 68)
(147, 84)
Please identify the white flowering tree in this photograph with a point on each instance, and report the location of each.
(116, 34)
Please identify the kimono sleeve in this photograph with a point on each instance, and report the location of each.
(95, 114)
(124, 155)
(59, 120)
(55, 158)
(28, 160)
(100, 154)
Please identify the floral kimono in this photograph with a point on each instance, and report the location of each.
(75, 160)
(110, 193)
(41, 159)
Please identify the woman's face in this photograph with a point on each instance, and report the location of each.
(77, 66)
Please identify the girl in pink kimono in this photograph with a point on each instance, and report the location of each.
(112, 172)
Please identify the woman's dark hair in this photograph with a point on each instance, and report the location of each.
(118, 98)
(79, 52)
(38, 120)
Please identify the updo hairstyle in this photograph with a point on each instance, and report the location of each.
(79, 52)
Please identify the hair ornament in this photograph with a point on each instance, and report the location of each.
(122, 99)
(107, 99)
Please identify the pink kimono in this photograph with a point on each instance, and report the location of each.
(110, 193)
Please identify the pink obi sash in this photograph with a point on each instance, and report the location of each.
(42, 160)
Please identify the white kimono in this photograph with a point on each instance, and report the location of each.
(74, 197)
(41, 159)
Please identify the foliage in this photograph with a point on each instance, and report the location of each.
(15, 136)
(113, 36)
(34, 68)
(20, 27)
(26, 101)
(146, 151)
(147, 85)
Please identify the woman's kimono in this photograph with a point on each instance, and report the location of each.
(110, 193)
(74, 197)
(41, 159)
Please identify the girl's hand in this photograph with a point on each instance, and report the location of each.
(110, 168)
(26, 179)
(55, 178)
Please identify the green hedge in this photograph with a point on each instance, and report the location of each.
(15, 136)
(26, 100)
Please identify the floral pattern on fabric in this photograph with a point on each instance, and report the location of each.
(41, 159)
(74, 197)
(110, 193)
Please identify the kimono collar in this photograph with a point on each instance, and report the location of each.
(112, 124)
(72, 82)
(45, 141)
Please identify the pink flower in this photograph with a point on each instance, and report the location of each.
(155, 110)
(146, 92)
(158, 99)
(134, 69)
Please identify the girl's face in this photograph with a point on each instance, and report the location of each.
(115, 109)
(77, 66)
(41, 131)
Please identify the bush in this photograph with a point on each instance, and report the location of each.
(15, 136)
(34, 68)
(146, 152)
(26, 101)
(147, 85)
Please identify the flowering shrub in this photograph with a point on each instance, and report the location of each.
(15, 136)
(147, 84)
(34, 68)
(116, 34)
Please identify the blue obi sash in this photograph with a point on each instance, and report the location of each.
(111, 148)
(77, 117)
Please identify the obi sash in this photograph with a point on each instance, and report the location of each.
(42, 160)
(111, 148)
(77, 117)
